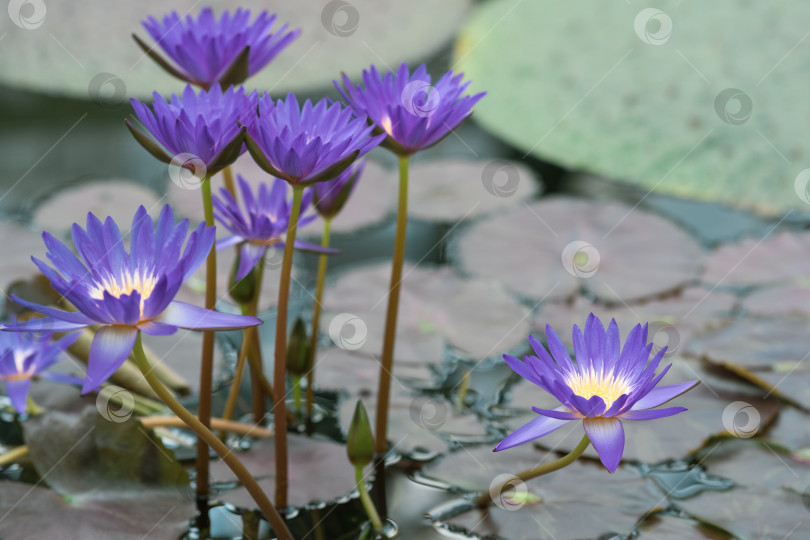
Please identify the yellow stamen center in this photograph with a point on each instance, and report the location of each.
(125, 284)
(385, 122)
(604, 385)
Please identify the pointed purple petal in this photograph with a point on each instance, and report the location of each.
(17, 391)
(560, 413)
(110, 347)
(533, 429)
(652, 414)
(662, 394)
(607, 437)
(192, 317)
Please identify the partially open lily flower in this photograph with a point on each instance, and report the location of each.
(263, 222)
(329, 197)
(605, 385)
(412, 112)
(125, 292)
(25, 356)
(207, 50)
(205, 129)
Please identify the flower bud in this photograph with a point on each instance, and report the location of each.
(360, 443)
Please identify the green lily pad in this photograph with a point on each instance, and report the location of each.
(649, 95)
(553, 248)
(581, 501)
(66, 46)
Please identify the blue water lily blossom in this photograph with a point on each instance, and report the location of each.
(25, 356)
(126, 292)
(207, 126)
(413, 113)
(329, 197)
(207, 50)
(263, 222)
(308, 144)
(606, 384)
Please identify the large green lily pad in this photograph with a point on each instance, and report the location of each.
(695, 100)
(67, 45)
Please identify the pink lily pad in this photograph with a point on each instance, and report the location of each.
(790, 299)
(770, 353)
(755, 465)
(752, 513)
(573, 503)
(29, 512)
(779, 258)
(437, 308)
(117, 198)
(553, 248)
(672, 320)
(792, 431)
(668, 527)
(451, 190)
(20, 243)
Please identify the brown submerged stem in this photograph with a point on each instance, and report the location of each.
(280, 360)
(206, 435)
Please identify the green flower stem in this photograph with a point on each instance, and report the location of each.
(227, 176)
(462, 390)
(485, 498)
(206, 435)
(368, 505)
(255, 353)
(316, 318)
(13, 455)
(280, 365)
(387, 360)
(31, 407)
(207, 361)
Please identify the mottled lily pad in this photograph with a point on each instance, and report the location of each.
(669, 527)
(651, 441)
(777, 259)
(648, 95)
(451, 190)
(32, 512)
(771, 353)
(553, 248)
(117, 198)
(310, 459)
(62, 48)
(793, 299)
(437, 308)
(672, 320)
(582, 501)
(86, 453)
(753, 513)
(792, 431)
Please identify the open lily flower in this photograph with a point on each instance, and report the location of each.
(126, 292)
(205, 129)
(329, 197)
(24, 357)
(206, 50)
(263, 222)
(412, 113)
(308, 144)
(606, 384)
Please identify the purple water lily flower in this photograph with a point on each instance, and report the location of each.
(126, 292)
(412, 113)
(263, 222)
(207, 50)
(205, 127)
(330, 196)
(25, 356)
(308, 144)
(604, 386)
